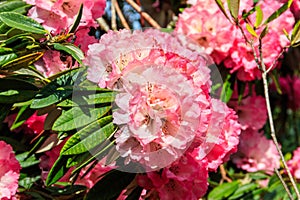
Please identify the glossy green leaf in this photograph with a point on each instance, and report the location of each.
(223, 191)
(22, 61)
(11, 5)
(77, 20)
(16, 90)
(77, 159)
(251, 30)
(264, 32)
(92, 140)
(259, 16)
(74, 51)
(234, 8)
(16, 20)
(227, 89)
(295, 38)
(84, 132)
(78, 117)
(58, 90)
(243, 190)
(92, 99)
(57, 171)
(24, 113)
(221, 7)
(26, 161)
(110, 186)
(7, 58)
(278, 12)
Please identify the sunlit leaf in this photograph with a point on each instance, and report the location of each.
(259, 16)
(234, 8)
(251, 30)
(74, 51)
(278, 12)
(16, 20)
(224, 190)
(77, 20)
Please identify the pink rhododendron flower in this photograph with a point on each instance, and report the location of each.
(294, 164)
(33, 125)
(51, 63)
(164, 110)
(184, 179)
(9, 172)
(252, 112)
(256, 152)
(205, 23)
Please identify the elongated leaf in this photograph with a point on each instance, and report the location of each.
(259, 16)
(16, 90)
(79, 158)
(110, 186)
(78, 117)
(92, 99)
(84, 132)
(7, 58)
(24, 113)
(243, 190)
(23, 9)
(227, 89)
(57, 171)
(221, 6)
(251, 30)
(296, 33)
(11, 5)
(77, 20)
(224, 190)
(74, 51)
(23, 61)
(278, 12)
(92, 140)
(264, 32)
(234, 8)
(16, 20)
(58, 90)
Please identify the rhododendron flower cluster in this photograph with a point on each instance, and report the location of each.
(294, 163)
(165, 114)
(9, 172)
(205, 23)
(256, 153)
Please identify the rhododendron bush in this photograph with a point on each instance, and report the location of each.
(196, 99)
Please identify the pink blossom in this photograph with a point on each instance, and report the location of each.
(294, 164)
(9, 172)
(51, 63)
(207, 26)
(184, 179)
(256, 152)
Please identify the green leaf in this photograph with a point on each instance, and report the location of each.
(84, 132)
(78, 117)
(251, 30)
(28, 181)
(24, 113)
(221, 7)
(6, 58)
(11, 5)
(234, 8)
(58, 89)
(92, 99)
(259, 16)
(71, 49)
(23, 61)
(243, 190)
(26, 161)
(296, 33)
(224, 190)
(77, 159)
(77, 20)
(57, 171)
(110, 186)
(92, 140)
(227, 89)
(16, 90)
(264, 32)
(16, 20)
(278, 12)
